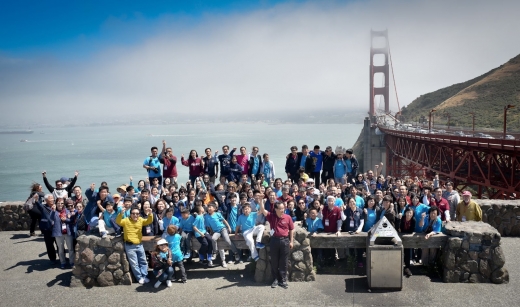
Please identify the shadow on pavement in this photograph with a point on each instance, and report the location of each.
(19, 236)
(62, 279)
(34, 265)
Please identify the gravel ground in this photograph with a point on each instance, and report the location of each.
(29, 279)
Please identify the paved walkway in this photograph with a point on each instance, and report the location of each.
(28, 279)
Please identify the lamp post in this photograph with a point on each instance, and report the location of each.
(509, 106)
(430, 121)
(448, 115)
(473, 121)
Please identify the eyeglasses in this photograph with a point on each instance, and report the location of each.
(134, 213)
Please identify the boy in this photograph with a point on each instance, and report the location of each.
(168, 220)
(174, 240)
(186, 226)
(215, 222)
(107, 221)
(246, 227)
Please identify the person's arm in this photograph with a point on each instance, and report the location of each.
(149, 220)
(478, 213)
(119, 219)
(100, 207)
(47, 184)
(195, 229)
(262, 209)
(360, 228)
(339, 223)
(291, 238)
(227, 224)
(184, 162)
(447, 214)
(73, 182)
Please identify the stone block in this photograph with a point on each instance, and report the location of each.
(100, 258)
(93, 240)
(127, 279)
(113, 267)
(105, 279)
(259, 275)
(306, 242)
(465, 244)
(296, 245)
(87, 256)
(475, 278)
(498, 257)
(262, 253)
(454, 243)
(114, 258)
(118, 247)
(297, 276)
(470, 266)
(89, 282)
(75, 282)
(261, 265)
(77, 270)
(473, 255)
(484, 268)
(297, 256)
(118, 274)
(300, 234)
(465, 277)
(449, 260)
(485, 254)
(83, 241)
(500, 276)
(300, 266)
(126, 265)
(311, 277)
(106, 242)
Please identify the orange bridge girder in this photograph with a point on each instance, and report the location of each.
(491, 165)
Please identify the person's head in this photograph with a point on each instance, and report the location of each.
(36, 187)
(449, 186)
(305, 149)
(328, 150)
(294, 150)
(232, 199)
(353, 191)
(414, 198)
(378, 194)
(266, 157)
(169, 213)
(109, 207)
(185, 213)
(172, 229)
(349, 153)
(243, 198)
(79, 207)
(162, 246)
(370, 202)
(370, 174)
(433, 212)
(154, 151)
(403, 190)
(212, 207)
(285, 190)
(103, 192)
(246, 209)
(331, 200)
(205, 178)
(193, 154)
(313, 213)
(234, 159)
(146, 205)
(155, 181)
(279, 208)
(116, 198)
(257, 196)
(140, 184)
(207, 151)
(254, 151)
(427, 190)
(145, 194)
(316, 204)
(243, 150)
(225, 149)
(351, 203)
(272, 197)
(278, 183)
(191, 194)
(387, 200)
(408, 213)
(59, 184)
(130, 190)
(60, 204)
(134, 213)
(290, 204)
(301, 204)
(77, 191)
(438, 193)
(169, 151)
(49, 199)
(402, 202)
(466, 196)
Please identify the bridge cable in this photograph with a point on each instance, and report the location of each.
(393, 77)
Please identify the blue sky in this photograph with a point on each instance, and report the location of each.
(227, 56)
(32, 27)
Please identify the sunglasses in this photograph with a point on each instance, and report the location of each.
(134, 213)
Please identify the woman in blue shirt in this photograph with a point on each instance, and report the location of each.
(371, 213)
(431, 225)
(353, 221)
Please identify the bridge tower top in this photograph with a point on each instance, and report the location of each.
(376, 50)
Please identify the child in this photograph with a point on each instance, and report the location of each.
(206, 246)
(235, 170)
(168, 220)
(221, 229)
(107, 221)
(314, 225)
(290, 210)
(303, 176)
(163, 263)
(174, 243)
(246, 226)
(186, 226)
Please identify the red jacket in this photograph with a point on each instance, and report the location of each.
(195, 166)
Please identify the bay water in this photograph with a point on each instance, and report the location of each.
(113, 153)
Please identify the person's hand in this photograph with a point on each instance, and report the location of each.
(381, 164)
(400, 215)
(377, 165)
(123, 209)
(216, 151)
(291, 245)
(148, 211)
(238, 235)
(447, 221)
(147, 180)
(63, 218)
(164, 142)
(305, 215)
(76, 173)
(44, 174)
(130, 178)
(423, 215)
(338, 233)
(169, 262)
(234, 148)
(428, 236)
(36, 196)
(365, 211)
(72, 213)
(182, 156)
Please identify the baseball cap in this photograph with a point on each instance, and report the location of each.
(162, 241)
(466, 193)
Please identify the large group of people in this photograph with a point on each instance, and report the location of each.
(239, 193)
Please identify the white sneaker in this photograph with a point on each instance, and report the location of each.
(146, 280)
(141, 281)
(231, 261)
(224, 265)
(168, 283)
(210, 264)
(158, 283)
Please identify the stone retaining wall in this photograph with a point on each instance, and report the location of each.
(504, 215)
(473, 254)
(100, 262)
(13, 217)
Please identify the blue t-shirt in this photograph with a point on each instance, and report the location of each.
(107, 216)
(187, 224)
(338, 202)
(339, 170)
(349, 165)
(256, 165)
(278, 192)
(247, 222)
(199, 223)
(360, 202)
(167, 222)
(319, 159)
(314, 225)
(232, 218)
(437, 224)
(370, 220)
(153, 162)
(302, 163)
(174, 243)
(214, 221)
(417, 212)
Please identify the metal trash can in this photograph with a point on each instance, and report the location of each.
(384, 257)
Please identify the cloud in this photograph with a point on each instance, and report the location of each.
(287, 57)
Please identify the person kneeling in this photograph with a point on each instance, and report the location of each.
(162, 258)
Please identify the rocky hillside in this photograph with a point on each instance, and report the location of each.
(485, 95)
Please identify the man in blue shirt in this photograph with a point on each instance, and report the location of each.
(360, 202)
(153, 165)
(246, 227)
(318, 155)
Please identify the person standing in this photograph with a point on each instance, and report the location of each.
(328, 165)
(132, 228)
(153, 165)
(47, 222)
(452, 197)
(317, 156)
(255, 164)
(291, 165)
(170, 164)
(282, 238)
(61, 190)
(467, 209)
(210, 166)
(31, 209)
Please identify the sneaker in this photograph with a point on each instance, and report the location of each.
(260, 245)
(184, 281)
(360, 264)
(187, 256)
(274, 284)
(240, 261)
(224, 265)
(62, 266)
(146, 280)
(104, 234)
(283, 284)
(168, 283)
(141, 281)
(210, 264)
(407, 272)
(256, 258)
(158, 283)
(230, 262)
(118, 235)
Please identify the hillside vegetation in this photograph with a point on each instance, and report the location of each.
(485, 95)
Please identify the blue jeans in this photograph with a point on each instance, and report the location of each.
(166, 274)
(137, 260)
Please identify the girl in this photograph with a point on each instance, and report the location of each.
(431, 225)
(168, 220)
(371, 213)
(195, 165)
(33, 210)
(407, 225)
(63, 231)
(163, 263)
(340, 169)
(152, 229)
(353, 221)
(174, 243)
(401, 207)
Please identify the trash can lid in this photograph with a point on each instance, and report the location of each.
(383, 229)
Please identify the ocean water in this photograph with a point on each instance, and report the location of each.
(113, 153)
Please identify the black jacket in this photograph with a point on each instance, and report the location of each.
(310, 163)
(251, 162)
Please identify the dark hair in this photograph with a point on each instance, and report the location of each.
(184, 210)
(437, 188)
(207, 149)
(134, 208)
(305, 147)
(196, 154)
(103, 187)
(243, 195)
(225, 146)
(35, 187)
(413, 195)
(388, 198)
(316, 146)
(312, 208)
(256, 192)
(76, 187)
(169, 210)
(277, 204)
(129, 188)
(145, 190)
(246, 205)
(109, 203)
(154, 147)
(434, 208)
(369, 197)
(294, 148)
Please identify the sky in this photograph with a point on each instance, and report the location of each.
(89, 60)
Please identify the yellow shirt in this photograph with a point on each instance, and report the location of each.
(471, 211)
(304, 176)
(133, 231)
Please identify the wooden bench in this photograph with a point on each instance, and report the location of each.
(345, 240)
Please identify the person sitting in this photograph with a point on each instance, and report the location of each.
(186, 227)
(204, 238)
(107, 221)
(168, 220)
(314, 225)
(246, 227)
(163, 260)
(220, 228)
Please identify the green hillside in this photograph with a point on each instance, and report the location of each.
(485, 95)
